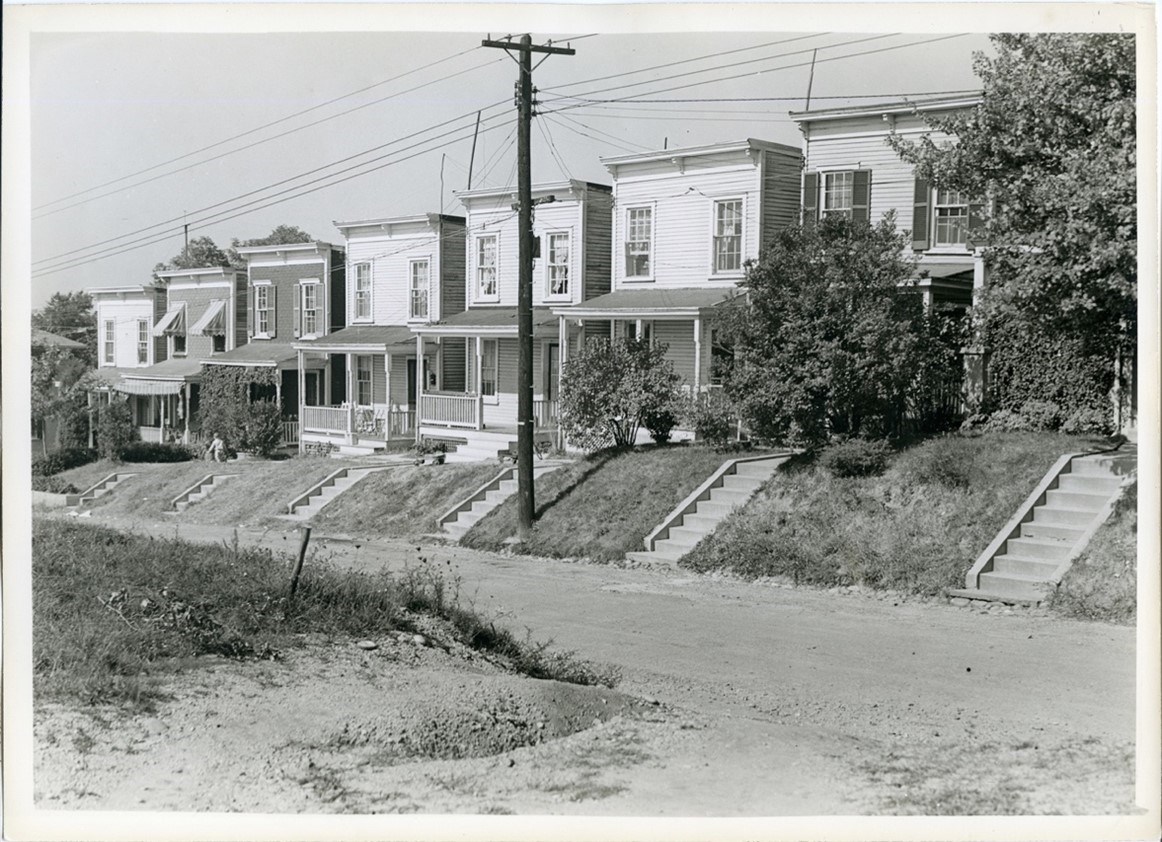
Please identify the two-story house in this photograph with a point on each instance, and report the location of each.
(685, 223)
(400, 272)
(294, 293)
(204, 315)
(471, 398)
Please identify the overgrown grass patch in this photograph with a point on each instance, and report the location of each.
(403, 502)
(917, 528)
(603, 506)
(1102, 584)
(114, 612)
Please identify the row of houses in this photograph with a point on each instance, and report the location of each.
(408, 328)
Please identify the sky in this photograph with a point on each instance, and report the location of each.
(135, 134)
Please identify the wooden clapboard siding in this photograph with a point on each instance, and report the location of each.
(780, 193)
(595, 330)
(197, 299)
(507, 353)
(390, 250)
(125, 313)
(378, 378)
(454, 376)
(451, 265)
(679, 337)
(399, 380)
(337, 291)
(598, 253)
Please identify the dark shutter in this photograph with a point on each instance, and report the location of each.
(975, 224)
(810, 197)
(250, 315)
(920, 215)
(273, 310)
(861, 196)
(298, 321)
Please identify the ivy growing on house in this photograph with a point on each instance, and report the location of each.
(227, 411)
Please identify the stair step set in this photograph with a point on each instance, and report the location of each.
(1027, 559)
(463, 516)
(308, 505)
(729, 487)
(199, 491)
(98, 489)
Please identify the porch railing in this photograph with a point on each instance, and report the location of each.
(545, 414)
(325, 419)
(290, 431)
(373, 422)
(452, 409)
(401, 423)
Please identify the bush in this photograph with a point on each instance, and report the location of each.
(1006, 421)
(1086, 421)
(949, 461)
(660, 423)
(53, 485)
(62, 460)
(152, 451)
(1041, 415)
(115, 429)
(262, 428)
(712, 417)
(857, 458)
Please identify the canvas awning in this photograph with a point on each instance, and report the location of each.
(150, 387)
(212, 322)
(174, 321)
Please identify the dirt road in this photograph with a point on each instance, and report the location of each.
(770, 700)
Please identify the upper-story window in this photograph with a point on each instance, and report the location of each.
(362, 291)
(838, 191)
(109, 359)
(639, 238)
(218, 343)
(486, 266)
(263, 309)
(951, 218)
(419, 289)
(558, 263)
(728, 235)
(309, 311)
(142, 341)
(178, 344)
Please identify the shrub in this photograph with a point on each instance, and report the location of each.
(1086, 421)
(53, 485)
(949, 461)
(152, 451)
(1006, 421)
(660, 423)
(262, 428)
(1041, 415)
(115, 429)
(712, 417)
(857, 458)
(62, 460)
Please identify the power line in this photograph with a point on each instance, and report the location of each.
(553, 150)
(616, 142)
(260, 128)
(885, 96)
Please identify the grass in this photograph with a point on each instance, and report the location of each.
(114, 613)
(603, 506)
(403, 502)
(917, 528)
(1102, 583)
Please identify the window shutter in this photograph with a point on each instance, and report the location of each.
(861, 196)
(975, 224)
(298, 321)
(250, 315)
(920, 216)
(810, 198)
(273, 310)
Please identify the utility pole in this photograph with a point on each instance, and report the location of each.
(524, 319)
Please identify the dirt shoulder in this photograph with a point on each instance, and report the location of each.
(770, 701)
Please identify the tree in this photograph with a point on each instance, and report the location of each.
(610, 389)
(281, 235)
(1052, 146)
(202, 253)
(70, 315)
(829, 340)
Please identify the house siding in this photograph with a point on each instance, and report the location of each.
(598, 253)
(197, 299)
(679, 339)
(125, 315)
(337, 302)
(781, 193)
(454, 376)
(452, 263)
(390, 257)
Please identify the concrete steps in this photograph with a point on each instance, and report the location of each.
(1030, 555)
(464, 515)
(200, 491)
(99, 489)
(311, 503)
(730, 487)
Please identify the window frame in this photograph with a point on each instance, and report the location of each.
(143, 341)
(650, 208)
(936, 207)
(110, 346)
(478, 294)
(364, 363)
(216, 340)
(849, 176)
(263, 287)
(361, 295)
(314, 285)
(494, 370)
(715, 236)
(173, 345)
(413, 263)
(550, 265)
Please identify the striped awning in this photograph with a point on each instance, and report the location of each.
(212, 322)
(131, 386)
(174, 321)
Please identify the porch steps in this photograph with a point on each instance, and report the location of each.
(199, 491)
(309, 504)
(730, 486)
(461, 517)
(470, 445)
(1036, 548)
(99, 489)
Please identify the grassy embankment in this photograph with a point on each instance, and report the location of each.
(603, 506)
(917, 528)
(403, 502)
(113, 613)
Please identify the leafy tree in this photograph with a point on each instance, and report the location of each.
(612, 388)
(1052, 145)
(70, 315)
(281, 235)
(115, 429)
(202, 253)
(829, 340)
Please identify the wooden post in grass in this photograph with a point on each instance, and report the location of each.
(305, 533)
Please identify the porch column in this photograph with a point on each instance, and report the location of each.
(302, 378)
(387, 396)
(189, 404)
(89, 405)
(562, 346)
(350, 398)
(638, 330)
(439, 362)
(479, 368)
(419, 383)
(697, 355)
(612, 330)
(164, 402)
(278, 389)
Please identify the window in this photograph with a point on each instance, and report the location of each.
(558, 263)
(362, 290)
(109, 342)
(489, 368)
(639, 232)
(728, 235)
(219, 343)
(179, 344)
(486, 267)
(641, 331)
(142, 342)
(262, 310)
(951, 218)
(310, 309)
(721, 357)
(363, 380)
(419, 289)
(838, 193)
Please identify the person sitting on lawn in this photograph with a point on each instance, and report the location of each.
(216, 452)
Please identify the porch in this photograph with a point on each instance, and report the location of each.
(163, 399)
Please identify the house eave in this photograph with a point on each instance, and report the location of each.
(895, 107)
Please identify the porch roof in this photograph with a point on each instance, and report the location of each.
(490, 321)
(163, 378)
(362, 339)
(648, 303)
(261, 353)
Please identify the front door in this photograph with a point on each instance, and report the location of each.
(553, 381)
(411, 382)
